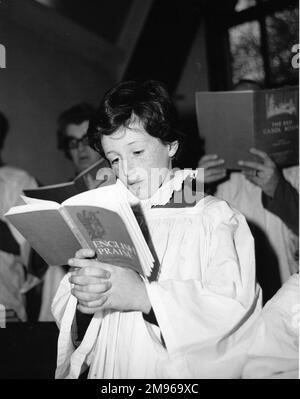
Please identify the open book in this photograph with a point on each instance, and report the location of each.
(62, 191)
(100, 219)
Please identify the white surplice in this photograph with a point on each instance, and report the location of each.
(206, 301)
(246, 197)
(12, 274)
(274, 351)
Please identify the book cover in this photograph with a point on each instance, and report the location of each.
(234, 121)
(47, 233)
(106, 233)
(276, 124)
(55, 192)
(99, 219)
(62, 191)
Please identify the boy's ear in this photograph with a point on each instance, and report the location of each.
(172, 148)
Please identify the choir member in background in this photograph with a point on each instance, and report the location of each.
(14, 250)
(73, 140)
(72, 125)
(269, 198)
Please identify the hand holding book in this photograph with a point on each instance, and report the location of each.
(213, 168)
(99, 219)
(99, 286)
(264, 174)
(231, 122)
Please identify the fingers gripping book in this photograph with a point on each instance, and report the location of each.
(99, 219)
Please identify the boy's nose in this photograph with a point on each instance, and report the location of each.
(128, 168)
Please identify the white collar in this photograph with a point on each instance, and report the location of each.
(163, 195)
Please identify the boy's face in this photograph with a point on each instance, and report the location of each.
(142, 162)
(81, 153)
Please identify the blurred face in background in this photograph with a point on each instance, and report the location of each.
(81, 153)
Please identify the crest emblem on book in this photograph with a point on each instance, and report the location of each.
(278, 106)
(92, 224)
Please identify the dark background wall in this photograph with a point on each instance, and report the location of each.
(43, 76)
(74, 51)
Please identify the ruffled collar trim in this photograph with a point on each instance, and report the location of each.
(163, 195)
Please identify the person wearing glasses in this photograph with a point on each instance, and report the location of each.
(72, 125)
(72, 136)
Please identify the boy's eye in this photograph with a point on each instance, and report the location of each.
(114, 161)
(138, 152)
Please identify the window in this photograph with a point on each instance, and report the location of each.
(245, 45)
(282, 34)
(261, 36)
(243, 4)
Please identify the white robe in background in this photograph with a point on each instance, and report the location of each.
(246, 197)
(51, 281)
(12, 274)
(274, 352)
(205, 300)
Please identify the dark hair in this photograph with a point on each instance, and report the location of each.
(75, 115)
(149, 101)
(4, 127)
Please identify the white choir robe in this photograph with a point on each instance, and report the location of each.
(206, 301)
(274, 351)
(247, 198)
(13, 282)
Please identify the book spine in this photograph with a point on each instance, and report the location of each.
(76, 232)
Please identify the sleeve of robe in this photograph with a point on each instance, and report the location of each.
(284, 204)
(64, 309)
(206, 324)
(274, 350)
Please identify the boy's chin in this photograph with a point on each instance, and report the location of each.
(143, 193)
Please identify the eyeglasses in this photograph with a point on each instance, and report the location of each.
(73, 143)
